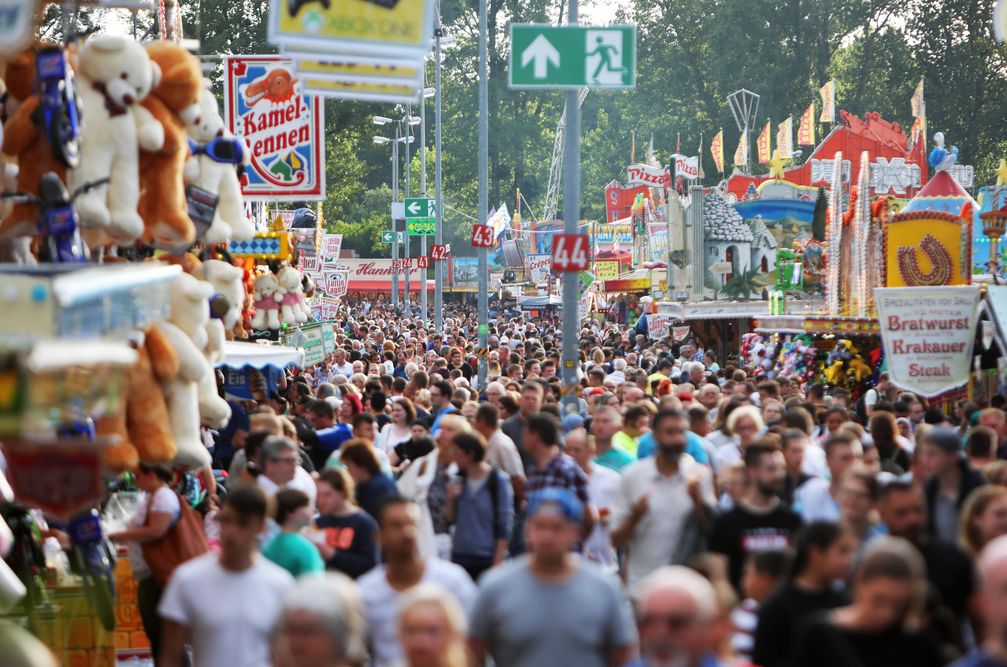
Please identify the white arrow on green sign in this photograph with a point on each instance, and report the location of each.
(547, 56)
(420, 208)
(386, 236)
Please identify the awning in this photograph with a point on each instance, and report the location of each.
(239, 355)
(383, 286)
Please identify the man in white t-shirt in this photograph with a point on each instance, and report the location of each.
(604, 485)
(502, 453)
(403, 569)
(818, 498)
(225, 606)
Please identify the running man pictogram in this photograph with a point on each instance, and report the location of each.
(606, 53)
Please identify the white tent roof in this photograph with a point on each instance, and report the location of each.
(239, 355)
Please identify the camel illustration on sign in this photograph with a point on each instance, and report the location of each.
(276, 86)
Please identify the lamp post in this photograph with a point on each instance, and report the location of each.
(427, 93)
(381, 121)
(408, 122)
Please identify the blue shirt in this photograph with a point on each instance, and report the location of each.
(332, 438)
(437, 420)
(693, 447)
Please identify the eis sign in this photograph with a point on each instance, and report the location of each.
(265, 104)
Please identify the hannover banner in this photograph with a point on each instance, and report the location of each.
(928, 334)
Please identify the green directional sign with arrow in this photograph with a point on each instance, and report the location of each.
(386, 236)
(547, 56)
(420, 207)
(421, 226)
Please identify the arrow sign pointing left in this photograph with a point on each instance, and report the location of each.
(414, 208)
(540, 53)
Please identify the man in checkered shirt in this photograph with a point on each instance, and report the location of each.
(551, 468)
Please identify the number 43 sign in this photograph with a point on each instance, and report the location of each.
(569, 252)
(482, 236)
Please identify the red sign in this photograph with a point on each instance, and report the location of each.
(439, 253)
(423, 262)
(482, 236)
(265, 104)
(569, 252)
(402, 264)
(61, 480)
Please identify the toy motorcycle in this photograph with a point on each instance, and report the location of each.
(57, 219)
(59, 110)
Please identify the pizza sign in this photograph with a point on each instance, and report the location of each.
(265, 104)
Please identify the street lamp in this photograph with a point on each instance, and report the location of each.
(381, 120)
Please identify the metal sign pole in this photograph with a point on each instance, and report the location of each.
(571, 216)
(423, 187)
(483, 193)
(438, 266)
(409, 135)
(395, 226)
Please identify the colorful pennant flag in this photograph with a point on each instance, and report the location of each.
(741, 154)
(919, 108)
(806, 128)
(763, 143)
(717, 150)
(828, 93)
(785, 137)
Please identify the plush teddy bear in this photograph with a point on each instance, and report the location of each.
(292, 302)
(142, 427)
(219, 178)
(228, 280)
(185, 331)
(174, 102)
(115, 74)
(267, 302)
(24, 139)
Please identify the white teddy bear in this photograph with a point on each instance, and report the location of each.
(114, 74)
(292, 302)
(188, 395)
(266, 301)
(228, 280)
(221, 179)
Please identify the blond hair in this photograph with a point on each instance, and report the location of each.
(438, 597)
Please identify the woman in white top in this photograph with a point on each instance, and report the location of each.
(151, 522)
(397, 430)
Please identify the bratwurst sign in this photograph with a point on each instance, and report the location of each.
(928, 334)
(265, 104)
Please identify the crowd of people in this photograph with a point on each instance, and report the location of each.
(385, 509)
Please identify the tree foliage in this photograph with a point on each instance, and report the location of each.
(692, 54)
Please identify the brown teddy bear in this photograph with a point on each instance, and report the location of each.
(174, 101)
(143, 428)
(23, 138)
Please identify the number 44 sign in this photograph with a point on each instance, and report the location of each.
(482, 236)
(569, 252)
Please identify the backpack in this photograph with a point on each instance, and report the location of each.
(182, 542)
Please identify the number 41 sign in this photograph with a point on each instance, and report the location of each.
(569, 252)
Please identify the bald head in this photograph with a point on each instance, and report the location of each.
(992, 567)
(675, 608)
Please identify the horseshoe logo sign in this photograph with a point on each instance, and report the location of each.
(938, 256)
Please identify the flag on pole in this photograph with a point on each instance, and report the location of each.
(919, 108)
(763, 143)
(828, 93)
(717, 150)
(785, 137)
(806, 128)
(699, 152)
(651, 157)
(741, 154)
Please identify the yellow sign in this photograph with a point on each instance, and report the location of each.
(606, 270)
(925, 249)
(359, 69)
(374, 92)
(386, 28)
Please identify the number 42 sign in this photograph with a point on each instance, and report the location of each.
(569, 252)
